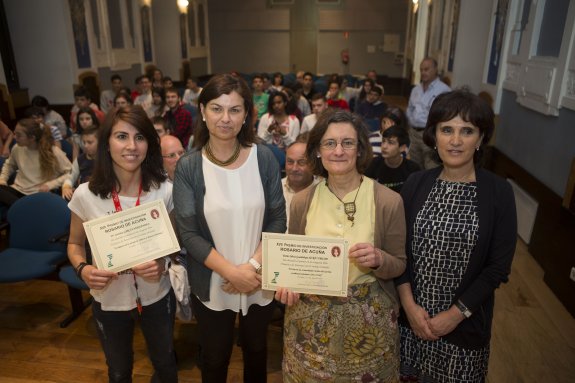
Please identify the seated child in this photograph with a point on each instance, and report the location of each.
(392, 169)
(83, 164)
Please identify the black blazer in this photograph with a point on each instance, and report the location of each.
(490, 261)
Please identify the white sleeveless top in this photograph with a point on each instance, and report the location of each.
(234, 208)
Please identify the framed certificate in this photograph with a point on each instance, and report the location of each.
(131, 237)
(309, 265)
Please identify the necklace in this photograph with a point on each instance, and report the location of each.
(227, 162)
(349, 208)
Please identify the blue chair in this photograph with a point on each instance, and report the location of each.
(68, 275)
(67, 148)
(34, 221)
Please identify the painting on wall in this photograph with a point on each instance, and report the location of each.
(146, 33)
(78, 16)
(497, 41)
(453, 40)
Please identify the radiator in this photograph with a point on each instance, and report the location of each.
(526, 211)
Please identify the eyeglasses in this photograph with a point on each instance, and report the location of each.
(346, 144)
(175, 155)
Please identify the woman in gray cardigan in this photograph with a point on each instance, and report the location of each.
(227, 191)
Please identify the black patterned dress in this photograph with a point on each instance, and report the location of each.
(444, 235)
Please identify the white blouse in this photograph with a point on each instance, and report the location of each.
(234, 208)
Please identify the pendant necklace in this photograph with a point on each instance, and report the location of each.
(349, 208)
(227, 162)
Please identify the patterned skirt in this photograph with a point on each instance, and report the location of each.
(352, 339)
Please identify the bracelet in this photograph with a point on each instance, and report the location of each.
(79, 269)
(256, 265)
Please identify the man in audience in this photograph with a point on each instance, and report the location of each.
(192, 92)
(145, 99)
(179, 118)
(37, 114)
(83, 99)
(260, 97)
(420, 100)
(307, 83)
(318, 106)
(372, 108)
(392, 168)
(107, 96)
(298, 173)
(372, 74)
(334, 99)
(161, 126)
(172, 150)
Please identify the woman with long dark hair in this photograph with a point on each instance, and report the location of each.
(128, 173)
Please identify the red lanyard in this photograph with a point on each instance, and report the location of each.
(118, 207)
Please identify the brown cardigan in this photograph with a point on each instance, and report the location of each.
(389, 231)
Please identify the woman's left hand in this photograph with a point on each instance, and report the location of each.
(365, 255)
(445, 322)
(150, 270)
(44, 188)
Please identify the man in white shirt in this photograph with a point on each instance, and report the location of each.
(145, 98)
(420, 100)
(107, 96)
(192, 92)
(298, 172)
(318, 106)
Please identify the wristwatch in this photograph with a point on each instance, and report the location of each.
(256, 265)
(464, 310)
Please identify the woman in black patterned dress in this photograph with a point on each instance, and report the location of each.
(461, 235)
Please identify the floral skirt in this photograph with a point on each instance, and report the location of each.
(352, 339)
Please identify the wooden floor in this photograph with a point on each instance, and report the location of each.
(533, 337)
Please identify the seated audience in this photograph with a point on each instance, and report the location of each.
(168, 83)
(302, 103)
(393, 116)
(145, 98)
(334, 98)
(179, 118)
(121, 100)
(156, 78)
(308, 89)
(278, 82)
(51, 117)
(6, 139)
(107, 96)
(83, 99)
(192, 92)
(172, 150)
(85, 119)
(298, 173)
(161, 126)
(392, 168)
(37, 114)
(277, 127)
(158, 107)
(39, 165)
(83, 164)
(319, 105)
(260, 97)
(372, 108)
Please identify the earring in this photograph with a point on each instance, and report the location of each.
(244, 122)
(435, 148)
(318, 155)
(477, 148)
(203, 119)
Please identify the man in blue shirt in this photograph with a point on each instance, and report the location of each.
(420, 100)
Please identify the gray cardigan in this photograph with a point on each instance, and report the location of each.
(191, 224)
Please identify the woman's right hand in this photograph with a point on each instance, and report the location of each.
(286, 296)
(418, 318)
(97, 279)
(244, 278)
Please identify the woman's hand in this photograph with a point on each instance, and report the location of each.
(150, 270)
(97, 279)
(6, 152)
(44, 188)
(67, 192)
(446, 321)
(286, 296)
(365, 255)
(243, 279)
(419, 321)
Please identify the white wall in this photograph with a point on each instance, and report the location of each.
(40, 39)
(471, 46)
(167, 48)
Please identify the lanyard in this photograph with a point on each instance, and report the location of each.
(118, 207)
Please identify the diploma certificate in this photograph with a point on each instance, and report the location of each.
(131, 237)
(309, 265)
